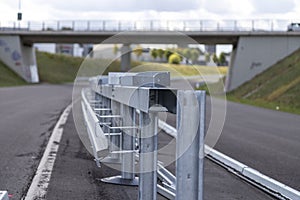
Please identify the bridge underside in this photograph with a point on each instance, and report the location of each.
(253, 52)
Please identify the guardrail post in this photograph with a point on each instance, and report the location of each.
(103, 25)
(128, 159)
(115, 140)
(88, 25)
(201, 25)
(148, 156)
(190, 144)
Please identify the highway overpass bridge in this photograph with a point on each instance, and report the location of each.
(254, 49)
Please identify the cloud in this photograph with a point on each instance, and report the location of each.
(228, 7)
(121, 5)
(39, 10)
(273, 6)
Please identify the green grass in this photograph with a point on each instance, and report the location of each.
(58, 68)
(277, 87)
(182, 70)
(9, 77)
(55, 68)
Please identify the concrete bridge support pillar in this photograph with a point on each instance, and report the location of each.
(254, 54)
(125, 57)
(19, 57)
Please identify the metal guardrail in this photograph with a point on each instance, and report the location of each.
(148, 25)
(125, 119)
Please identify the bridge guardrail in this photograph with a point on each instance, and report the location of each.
(148, 25)
(128, 118)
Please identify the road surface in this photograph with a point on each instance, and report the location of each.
(29, 113)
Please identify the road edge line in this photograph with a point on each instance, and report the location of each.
(40, 182)
(267, 184)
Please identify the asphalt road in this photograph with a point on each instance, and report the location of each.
(251, 135)
(266, 140)
(28, 115)
(75, 176)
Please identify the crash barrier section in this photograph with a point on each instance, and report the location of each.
(121, 117)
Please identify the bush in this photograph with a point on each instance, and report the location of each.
(168, 53)
(174, 59)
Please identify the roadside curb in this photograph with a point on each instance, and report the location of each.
(269, 185)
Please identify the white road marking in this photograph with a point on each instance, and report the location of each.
(40, 182)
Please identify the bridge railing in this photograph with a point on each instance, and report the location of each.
(147, 25)
(126, 107)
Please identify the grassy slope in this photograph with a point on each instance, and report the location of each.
(277, 86)
(9, 77)
(184, 70)
(55, 68)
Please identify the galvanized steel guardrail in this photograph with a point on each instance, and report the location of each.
(148, 25)
(121, 116)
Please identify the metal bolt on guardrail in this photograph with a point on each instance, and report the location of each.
(121, 116)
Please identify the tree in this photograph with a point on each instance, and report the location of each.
(222, 58)
(207, 57)
(138, 51)
(115, 49)
(174, 59)
(187, 53)
(194, 55)
(153, 53)
(160, 53)
(215, 59)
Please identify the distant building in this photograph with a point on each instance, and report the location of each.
(211, 49)
(67, 49)
(87, 50)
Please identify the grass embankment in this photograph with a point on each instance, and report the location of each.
(276, 88)
(182, 70)
(57, 68)
(9, 77)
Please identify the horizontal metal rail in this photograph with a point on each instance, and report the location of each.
(95, 133)
(148, 25)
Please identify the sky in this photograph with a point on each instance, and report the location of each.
(149, 9)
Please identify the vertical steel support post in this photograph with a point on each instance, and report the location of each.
(115, 140)
(190, 144)
(128, 159)
(148, 156)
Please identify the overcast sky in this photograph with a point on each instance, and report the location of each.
(149, 9)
